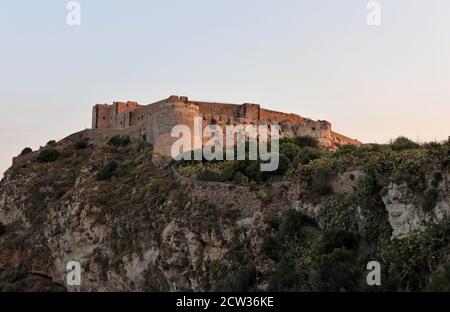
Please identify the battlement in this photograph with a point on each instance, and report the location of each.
(155, 121)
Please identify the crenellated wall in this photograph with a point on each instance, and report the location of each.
(154, 122)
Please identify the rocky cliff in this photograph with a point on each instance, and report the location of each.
(136, 223)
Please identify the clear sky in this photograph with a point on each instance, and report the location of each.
(317, 58)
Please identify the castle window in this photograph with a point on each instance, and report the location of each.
(314, 128)
(104, 118)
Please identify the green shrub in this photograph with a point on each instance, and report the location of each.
(419, 249)
(432, 145)
(283, 165)
(81, 144)
(321, 181)
(108, 171)
(48, 155)
(228, 173)
(441, 281)
(2, 229)
(346, 149)
(403, 143)
(26, 150)
(430, 199)
(209, 175)
(241, 278)
(118, 140)
(272, 219)
(51, 143)
(337, 271)
(306, 155)
(290, 150)
(285, 278)
(240, 178)
(306, 141)
(271, 247)
(337, 238)
(253, 170)
(292, 223)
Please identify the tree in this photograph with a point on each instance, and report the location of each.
(81, 144)
(403, 143)
(290, 150)
(26, 150)
(306, 141)
(118, 140)
(48, 155)
(108, 171)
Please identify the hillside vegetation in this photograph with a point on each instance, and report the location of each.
(136, 223)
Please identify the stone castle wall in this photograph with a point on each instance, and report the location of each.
(154, 122)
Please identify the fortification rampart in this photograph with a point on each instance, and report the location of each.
(154, 122)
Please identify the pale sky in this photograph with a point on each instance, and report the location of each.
(316, 58)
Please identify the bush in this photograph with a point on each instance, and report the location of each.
(48, 155)
(25, 151)
(285, 278)
(81, 144)
(209, 175)
(306, 155)
(271, 247)
(336, 238)
(292, 223)
(51, 143)
(403, 143)
(240, 279)
(432, 145)
(441, 281)
(108, 171)
(320, 183)
(290, 150)
(430, 199)
(118, 140)
(253, 170)
(240, 178)
(337, 271)
(2, 229)
(283, 165)
(306, 141)
(346, 149)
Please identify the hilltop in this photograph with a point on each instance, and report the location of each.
(136, 223)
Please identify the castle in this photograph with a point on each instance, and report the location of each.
(154, 122)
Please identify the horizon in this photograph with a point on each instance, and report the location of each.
(318, 59)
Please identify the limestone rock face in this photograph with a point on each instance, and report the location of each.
(406, 208)
(11, 201)
(161, 233)
(150, 229)
(405, 214)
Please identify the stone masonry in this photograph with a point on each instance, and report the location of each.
(154, 122)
